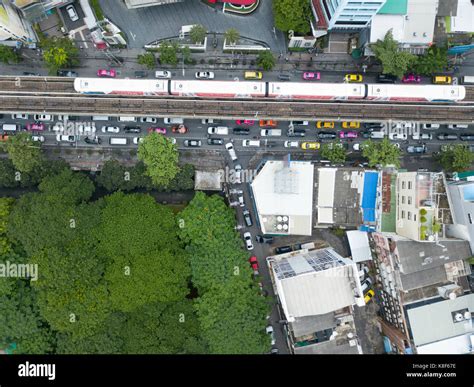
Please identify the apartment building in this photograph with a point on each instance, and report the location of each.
(12, 27)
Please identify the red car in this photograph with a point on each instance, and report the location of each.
(349, 134)
(311, 76)
(411, 78)
(254, 263)
(106, 73)
(157, 130)
(245, 122)
(35, 126)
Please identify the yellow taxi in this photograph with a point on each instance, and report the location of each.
(325, 125)
(351, 125)
(442, 79)
(253, 75)
(353, 78)
(368, 296)
(310, 145)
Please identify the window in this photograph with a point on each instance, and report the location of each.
(403, 199)
(470, 218)
(409, 215)
(414, 217)
(409, 185)
(403, 185)
(403, 214)
(408, 199)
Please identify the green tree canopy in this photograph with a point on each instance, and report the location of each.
(433, 61)
(334, 152)
(456, 158)
(168, 53)
(232, 36)
(58, 53)
(160, 157)
(24, 153)
(198, 33)
(393, 60)
(381, 153)
(148, 60)
(292, 15)
(9, 55)
(266, 60)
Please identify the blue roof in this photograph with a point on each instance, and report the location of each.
(369, 196)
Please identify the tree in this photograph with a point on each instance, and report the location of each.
(160, 157)
(148, 60)
(456, 158)
(381, 153)
(58, 53)
(9, 55)
(168, 53)
(232, 36)
(232, 317)
(184, 179)
(393, 60)
(292, 15)
(266, 60)
(334, 152)
(24, 153)
(5, 209)
(433, 61)
(197, 34)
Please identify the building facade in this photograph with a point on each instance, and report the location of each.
(11, 25)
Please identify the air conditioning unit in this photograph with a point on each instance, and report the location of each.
(450, 292)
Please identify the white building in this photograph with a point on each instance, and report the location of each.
(11, 25)
(349, 14)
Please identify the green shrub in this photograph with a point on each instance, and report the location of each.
(423, 212)
(423, 219)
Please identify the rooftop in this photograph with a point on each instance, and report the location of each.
(463, 21)
(283, 196)
(394, 7)
(207, 181)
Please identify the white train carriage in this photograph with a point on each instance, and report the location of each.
(323, 91)
(222, 89)
(121, 86)
(423, 93)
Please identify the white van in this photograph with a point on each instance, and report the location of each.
(118, 141)
(127, 119)
(270, 132)
(9, 127)
(100, 118)
(222, 130)
(377, 135)
(173, 121)
(251, 143)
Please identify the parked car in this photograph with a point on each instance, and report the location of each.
(35, 126)
(104, 73)
(271, 123)
(241, 131)
(215, 141)
(466, 137)
(192, 143)
(67, 73)
(110, 129)
(238, 176)
(351, 125)
(411, 78)
(163, 74)
(325, 125)
(132, 129)
(140, 74)
(264, 239)
(221, 130)
(447, 136)
(20, 116)
(180, 129)
(386, 78)
(311, 76)
(291, 144)
(157, 130)
(211, 121)
(422, 136)
(283, 249)
(43, 117)
(348, 134)
(296, 132)
(373, 125)
(81, 129)
(37, 138)
(245, 122)
(254, 264)
(310, 145)
(397, 136)
(416, 149)
(368, 296)
(65, 137)
(431, 126)
(269, 331)
(326, 135)
(71, 11)
(139, 140)
(248, 241)
(204, 75)
(247, 218)
(149, 120)
(30, 74)
(458, 126)
(353, 78)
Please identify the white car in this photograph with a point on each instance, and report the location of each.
(231, 150)
(422, 136)
(163, 74)
(151, 120)
(269, 330)
(37, 138)
(88, 129)
(248, 241)
(204, 75)
(137, 140)
(71, 11)
(43, 117)
(20, 116)
(238, 174)
(221, 130)
(59, 127)
(110, 129)
(405, 125)
(431, 126)
(291, 144)
(397, 136)
(65, 137)
(458, 126)
(241, 201)
(63, 117)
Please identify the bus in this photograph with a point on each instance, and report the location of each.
(467, 80)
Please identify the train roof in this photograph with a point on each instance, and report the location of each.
(218, 88)
(125, 86)
(429, 92)
(316, 90)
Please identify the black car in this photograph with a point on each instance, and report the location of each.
(141, 74)
(192, 143)
(284, 77)
(373, 125)
(283, 249)
(31, 74)
(263, 239)
(93, 140)
(241, 131)
(447, 136)
(215, 141)
(467, 137)
(296, 133)
(132, 129)
(386, 78)
(365, 134)
(67, 73)
(247, 218)
(326, 135)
